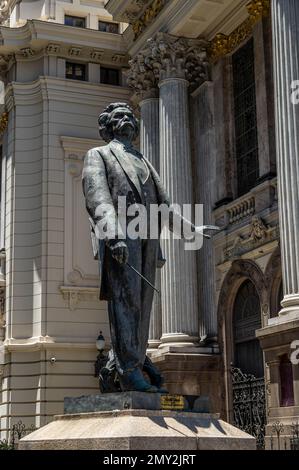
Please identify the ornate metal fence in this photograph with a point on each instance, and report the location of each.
(249, 405)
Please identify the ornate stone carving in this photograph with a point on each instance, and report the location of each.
(118, 58)
(222, 44)
(96, 54)
(177, 57)
(27, 52)
(141, 77)
(74, 295)
(53, 49)
(148, 16)
(258, 229)
(167, 56)
(75, 51)
(74, 277)
(260, 233)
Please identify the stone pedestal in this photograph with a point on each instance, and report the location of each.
(192, 371)
(136, 429)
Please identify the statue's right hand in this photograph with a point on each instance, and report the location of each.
(120, 252)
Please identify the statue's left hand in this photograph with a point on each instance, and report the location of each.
(200, 230)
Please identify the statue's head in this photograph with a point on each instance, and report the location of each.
(118, 120)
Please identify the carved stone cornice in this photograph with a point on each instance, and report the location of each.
(222, 44)
(166, 56)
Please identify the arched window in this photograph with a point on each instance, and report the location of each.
(246, 320)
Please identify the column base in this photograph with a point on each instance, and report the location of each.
(153, 345)
(290, 306)
(178, 339)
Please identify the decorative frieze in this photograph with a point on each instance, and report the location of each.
(222, 44)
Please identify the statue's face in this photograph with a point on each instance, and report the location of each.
(122, 122)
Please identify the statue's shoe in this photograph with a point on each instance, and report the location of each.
(135, 381)
(154, 374)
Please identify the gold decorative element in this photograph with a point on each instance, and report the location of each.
(148, 16)
(3, 122)
(222, 45)
(172, 402)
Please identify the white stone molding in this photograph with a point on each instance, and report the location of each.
(44, 343)
(56, 39)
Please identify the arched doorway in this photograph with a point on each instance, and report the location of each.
(246, 320)
(248, 385)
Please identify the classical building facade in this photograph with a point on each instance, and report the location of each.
(214, 84)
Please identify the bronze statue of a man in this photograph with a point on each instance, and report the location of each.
(109, 172)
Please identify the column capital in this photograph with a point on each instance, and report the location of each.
(141, 78)
(177, 57)
(166, 56)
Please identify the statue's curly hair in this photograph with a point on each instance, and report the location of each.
(105, 129)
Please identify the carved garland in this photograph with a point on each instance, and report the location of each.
(222, 44)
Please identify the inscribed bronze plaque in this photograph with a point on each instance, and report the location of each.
(172, 402)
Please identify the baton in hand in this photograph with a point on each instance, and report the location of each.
(142, 277)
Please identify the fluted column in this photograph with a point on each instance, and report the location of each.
(205, 158)
(149, 147)
(144, 84)
(177, 63)
(179, 278)
(285, 30)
